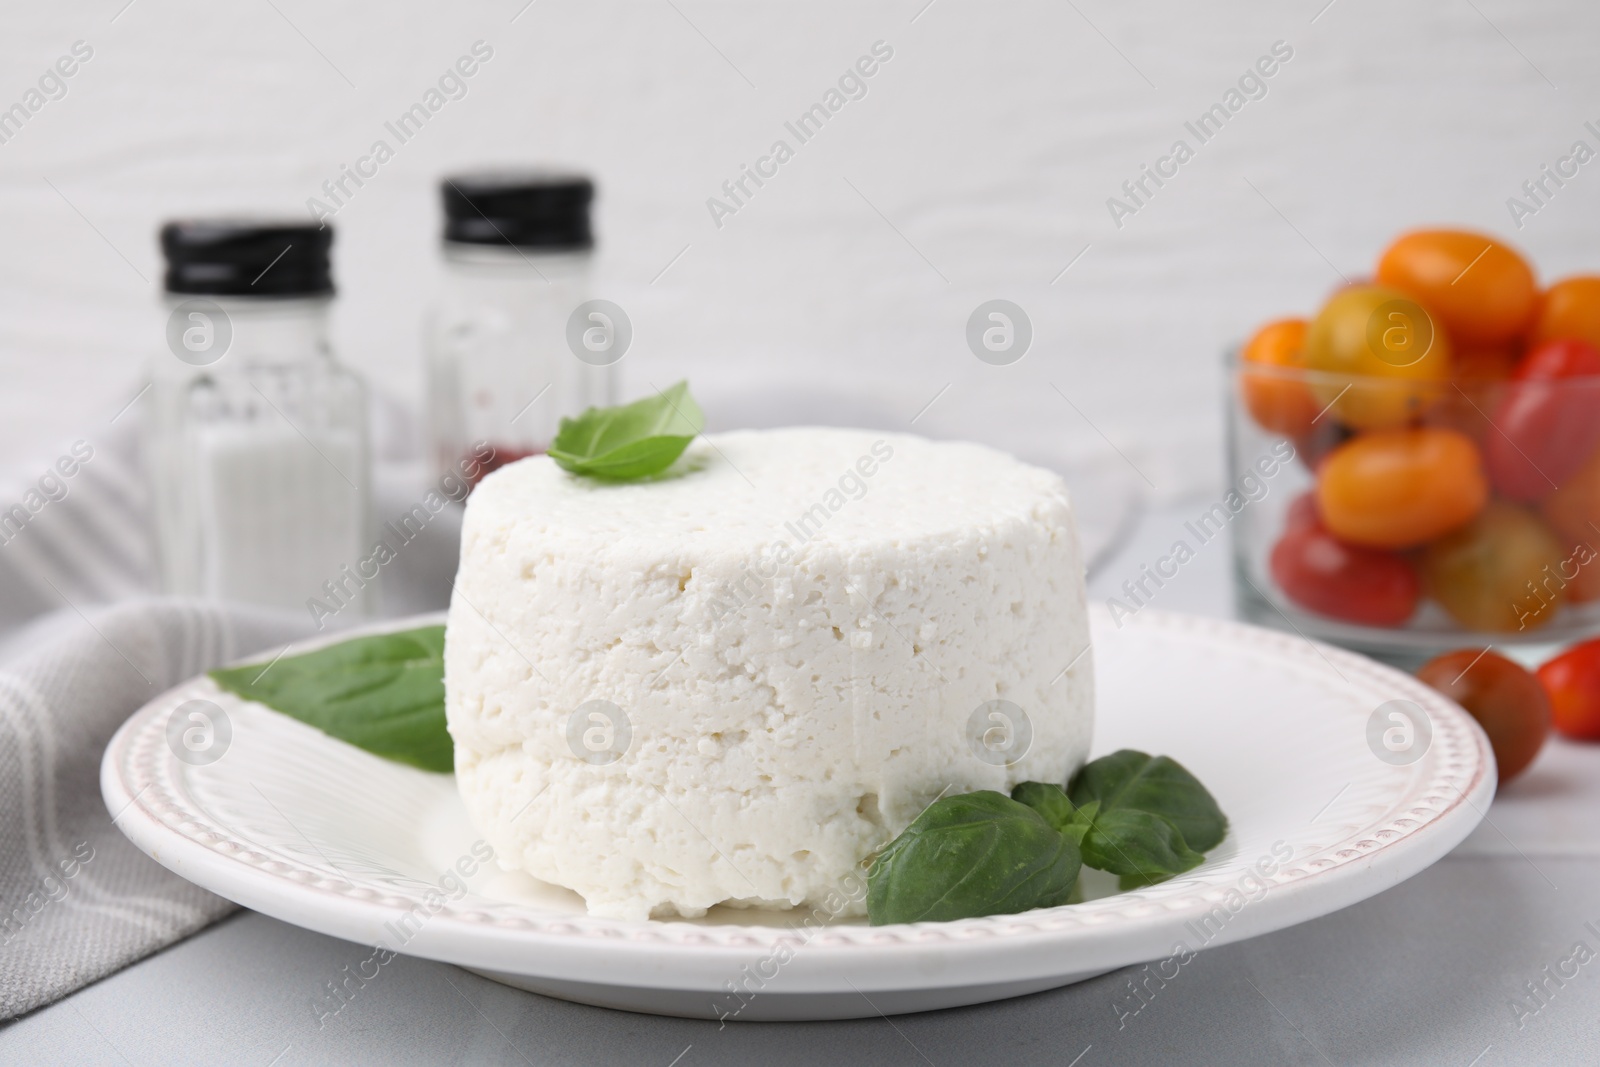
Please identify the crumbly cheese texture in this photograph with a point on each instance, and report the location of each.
(801, 630)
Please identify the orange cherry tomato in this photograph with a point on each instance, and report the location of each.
(1500, 572)
(1400, 488)
(1278, 399)
(1508, 702)
(1572, 682)
(1569, 309)
(1382, 360)
(1482, 291)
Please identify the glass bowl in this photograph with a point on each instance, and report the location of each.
(1476, 501)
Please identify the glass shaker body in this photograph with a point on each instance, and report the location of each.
(500, 370)
(257, 448)
(513, 342)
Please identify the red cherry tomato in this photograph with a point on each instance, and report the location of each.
(1303, 514)
(1572, 681)
(1479, 377)
(1323, 574)
(1547, 422)
(1508, 702)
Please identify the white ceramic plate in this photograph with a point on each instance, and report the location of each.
(314, 832)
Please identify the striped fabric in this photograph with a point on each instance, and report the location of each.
(77, 900)
(88, 546)
(84, 642)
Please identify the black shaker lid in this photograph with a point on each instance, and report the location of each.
(247, 257)
(523, 208)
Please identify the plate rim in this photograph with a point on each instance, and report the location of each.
(1133, 926)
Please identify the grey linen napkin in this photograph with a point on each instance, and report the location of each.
(83, 645)
(77, 899)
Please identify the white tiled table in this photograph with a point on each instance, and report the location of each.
(1423, 974)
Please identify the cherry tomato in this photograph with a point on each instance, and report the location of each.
(1323, 574)
(1325, 435)
(1481, 291)
(1500, 572)
(1573, 515)
(1585, 584)
(1302, 514)
(1399, 488)
(1476, 365)
(1508, 702)
(1382, 361)
(1573, 512)
(1572, 682)
(1278, 398)
(1547, 422)
(1569, 309)
(1465, 405)
(1584, 587)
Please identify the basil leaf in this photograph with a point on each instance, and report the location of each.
(976, 854)
(1130, 780)
(1049, 801)
(629, 442)
(1054, 807)
(1141, 848)
(383, 693)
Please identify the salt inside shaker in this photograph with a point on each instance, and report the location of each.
(257, 445)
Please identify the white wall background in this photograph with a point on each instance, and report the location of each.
(990, 142)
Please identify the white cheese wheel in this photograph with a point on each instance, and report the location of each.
(732, 684)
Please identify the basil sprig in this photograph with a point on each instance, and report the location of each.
(1142, 818)
(986, 847)
(1140, 848)
(1132, 781)
(383, 693)
(632, 441)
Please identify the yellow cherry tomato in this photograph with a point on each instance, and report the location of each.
(1383, 358)
(1401, 488)
(1500, 572)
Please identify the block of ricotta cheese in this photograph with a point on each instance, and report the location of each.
(731, 684)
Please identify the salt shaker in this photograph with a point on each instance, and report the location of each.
(515, 340)
(256, 445)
